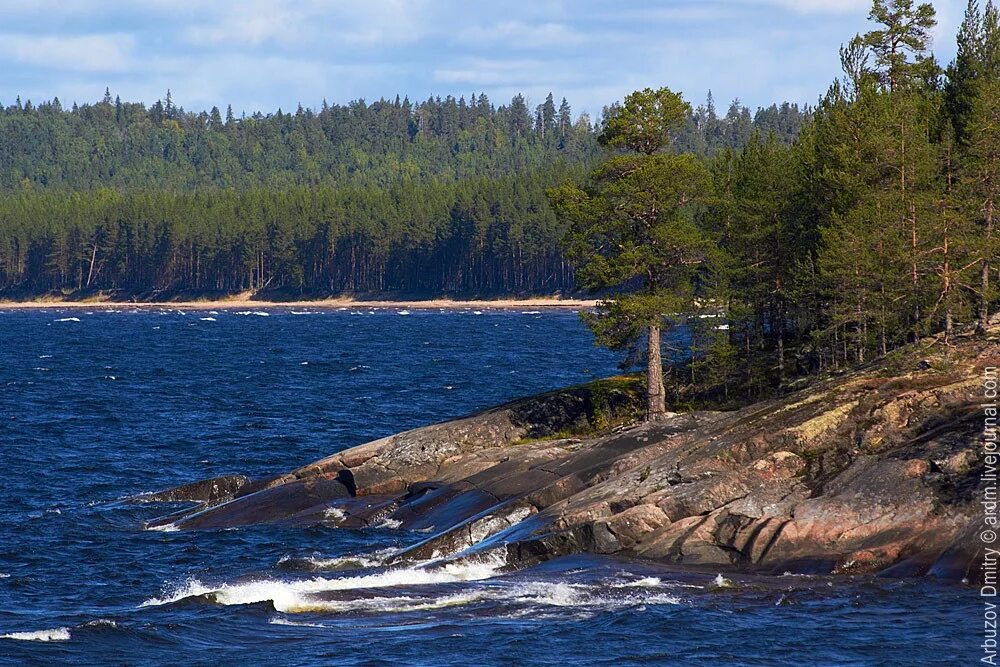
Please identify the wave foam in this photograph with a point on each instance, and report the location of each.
(51, 635)
(293, 596)
(298, 624)
(165, 528)
(334, 514)
(645, 582)
(352, 562)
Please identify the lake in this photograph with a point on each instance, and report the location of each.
(98, 406)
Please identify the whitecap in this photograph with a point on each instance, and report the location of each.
(402, 312)
(645, 582)
(207, 319)
(294, 596)
(560, 594)
(4, 575)
(165, 528)
(278, 620)
(388, 605)
(51, 635)
(355, 561)
(334, 514)
(552, 594)
(68, 319)
(190, 588)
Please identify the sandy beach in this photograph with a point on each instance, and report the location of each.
(242, 303)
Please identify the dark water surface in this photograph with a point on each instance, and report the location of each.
(98, 406)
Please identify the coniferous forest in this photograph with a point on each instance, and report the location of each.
(873, 228)
(444, 196)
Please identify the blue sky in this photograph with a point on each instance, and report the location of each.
(265, 54)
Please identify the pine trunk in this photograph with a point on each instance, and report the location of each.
(984, 278)
(656, 405)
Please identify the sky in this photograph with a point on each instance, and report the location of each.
(270, 54)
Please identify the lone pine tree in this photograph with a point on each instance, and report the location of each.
(632, 229)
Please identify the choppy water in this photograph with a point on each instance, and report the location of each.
(98, 406)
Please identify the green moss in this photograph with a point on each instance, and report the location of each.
(608, 402)
(614, 401)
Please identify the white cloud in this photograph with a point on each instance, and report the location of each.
(487, 72)
(263, 22)
(309, 22)
(81, 53)
(824, 6)
(519, 35)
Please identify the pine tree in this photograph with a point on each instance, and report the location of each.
(634, 226)
(981, 184)
(965, 70)
(901, 43)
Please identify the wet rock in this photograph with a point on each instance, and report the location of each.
(206, 491)
(861, 473)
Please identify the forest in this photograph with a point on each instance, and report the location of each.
(874, 228)
(442, 196)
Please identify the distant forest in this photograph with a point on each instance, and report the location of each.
(441, 196)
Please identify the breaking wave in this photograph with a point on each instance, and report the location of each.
(294, 595)
(51, 635)
(423, 588)
(353, 562)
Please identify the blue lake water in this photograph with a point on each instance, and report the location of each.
(96, 406)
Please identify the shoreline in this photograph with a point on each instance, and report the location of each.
(244, 303)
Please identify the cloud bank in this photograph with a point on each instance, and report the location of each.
(259, 54)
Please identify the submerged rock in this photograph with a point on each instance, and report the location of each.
(874, 471)
(206, 491)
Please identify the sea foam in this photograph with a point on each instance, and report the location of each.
(295, 596)
(51, 635)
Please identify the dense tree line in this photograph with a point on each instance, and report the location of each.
(120, 145)
(439, 196)
(126, 145)
(480, 235)
(873, 228)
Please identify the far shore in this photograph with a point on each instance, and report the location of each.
(250, 304)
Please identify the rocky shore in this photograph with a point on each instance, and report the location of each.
(876, 471)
